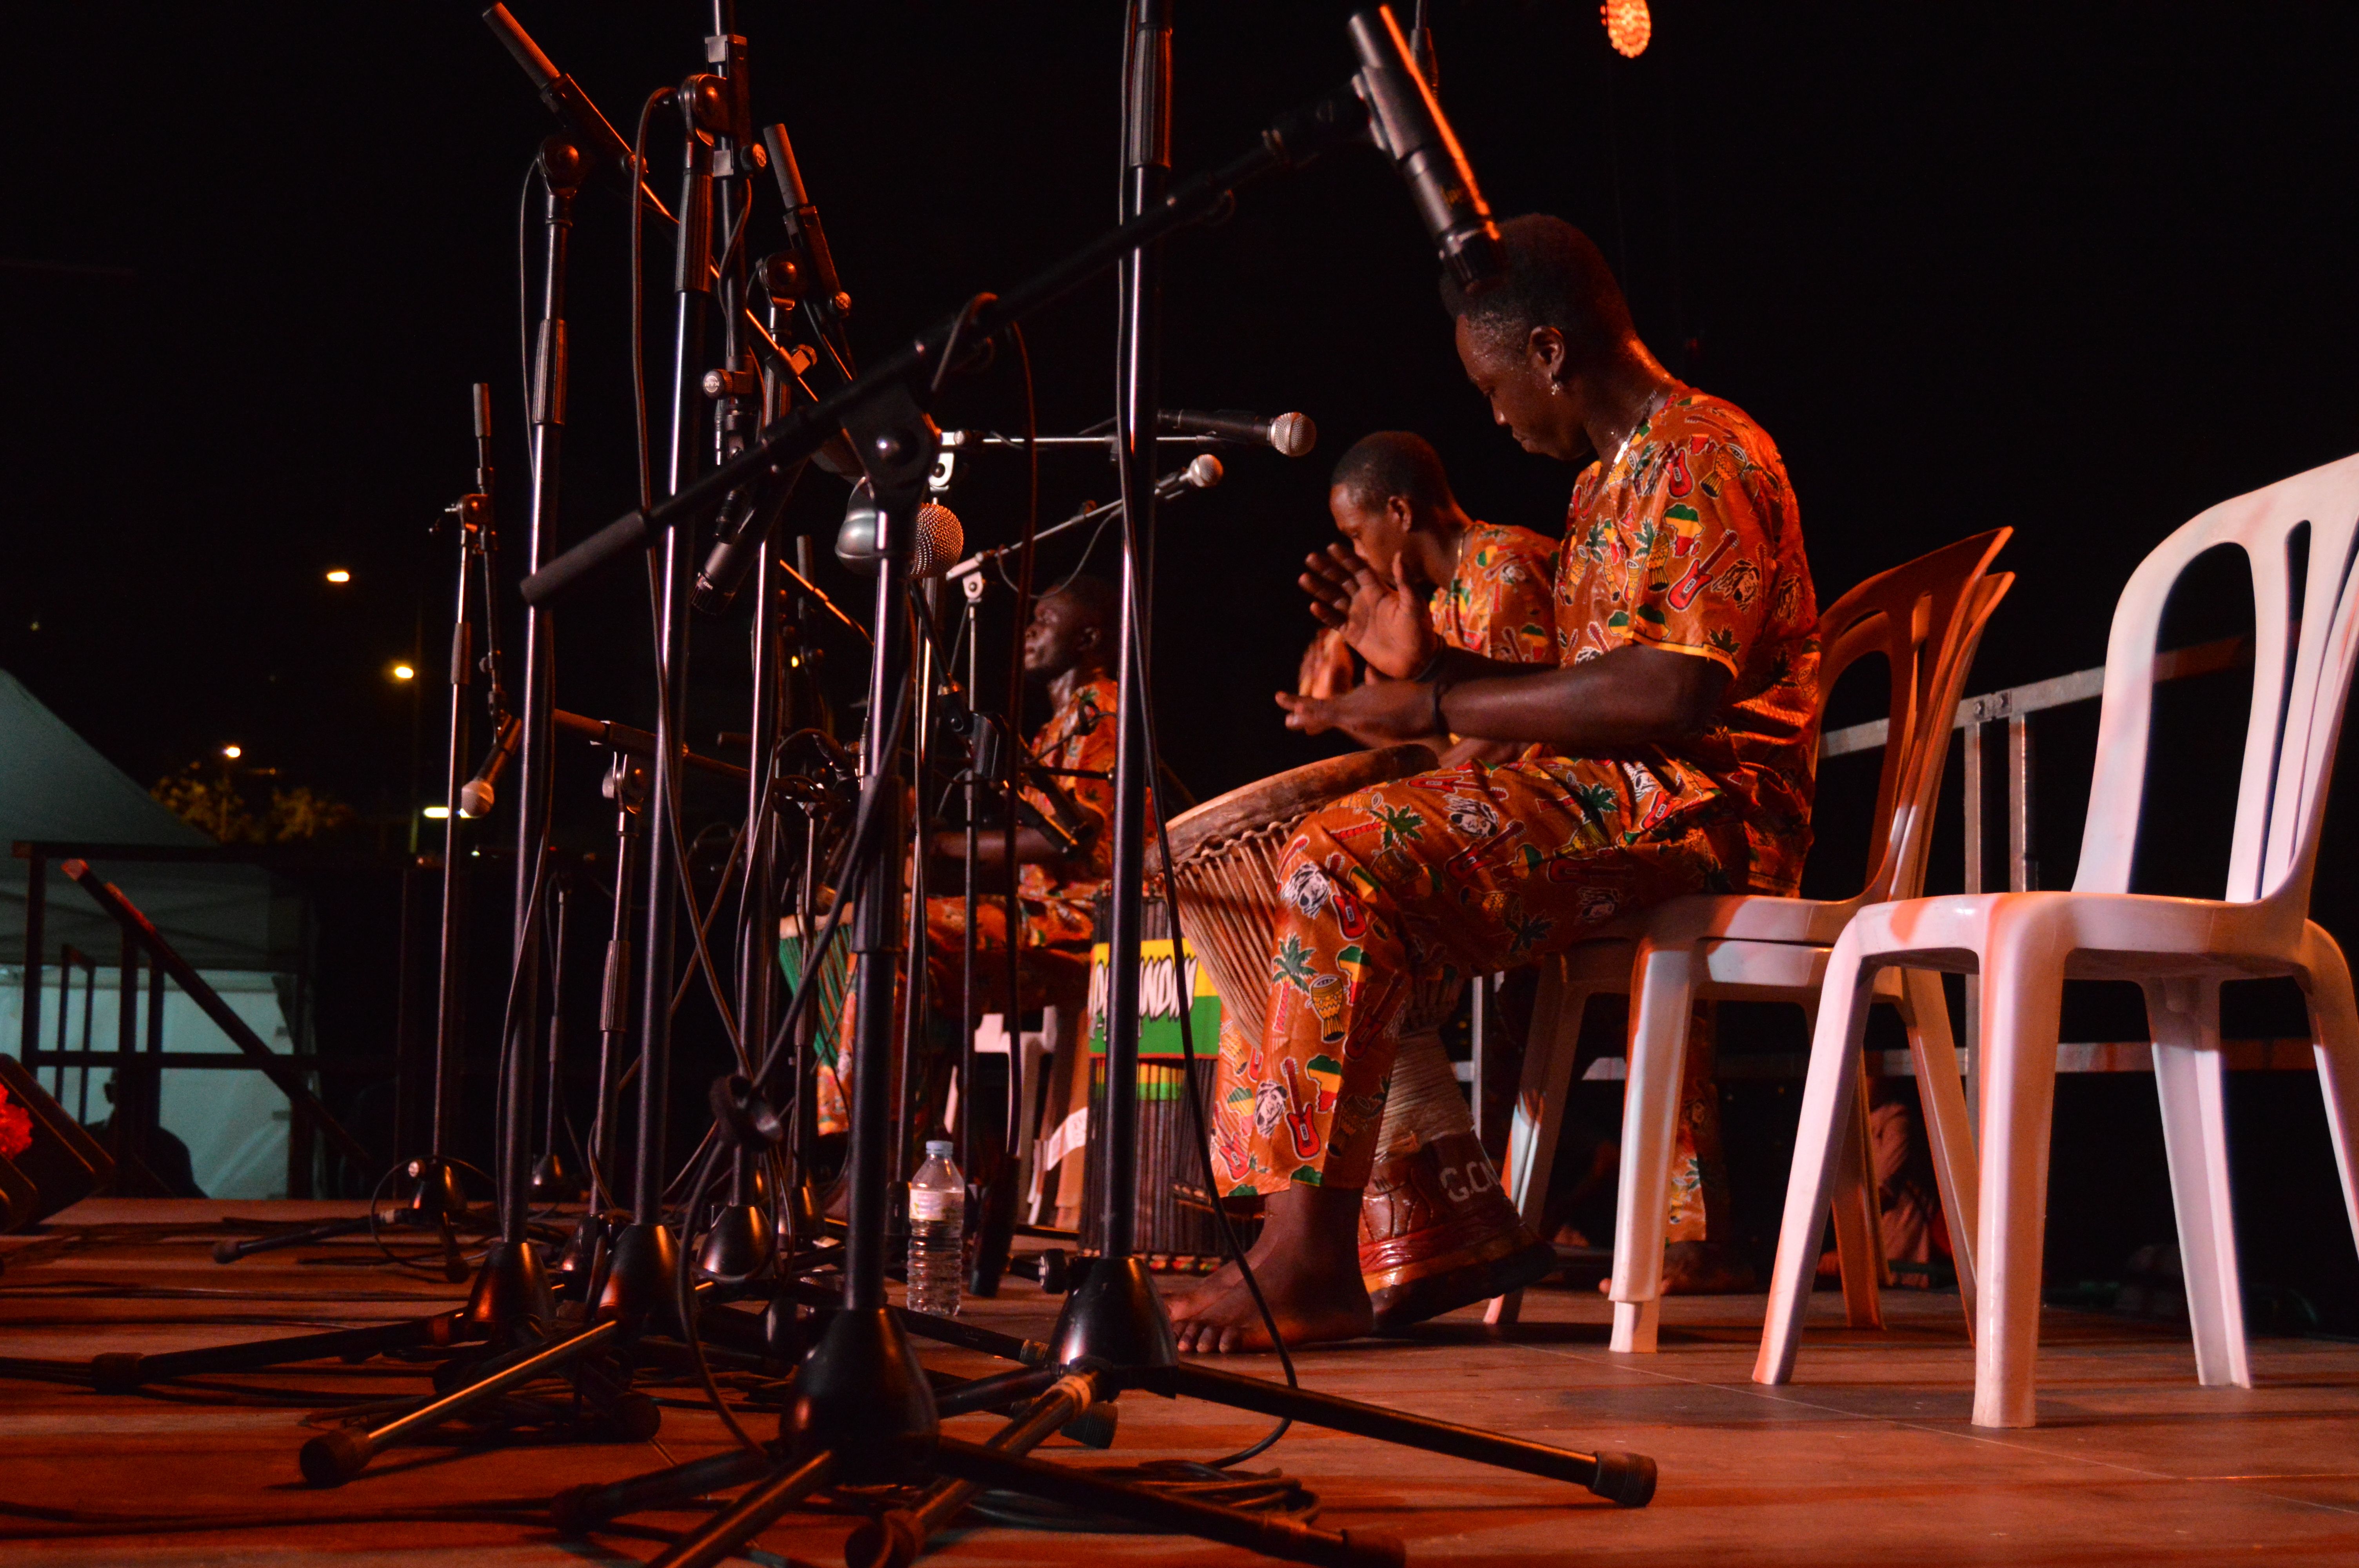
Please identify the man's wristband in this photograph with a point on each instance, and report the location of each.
(1432, 665)
(1441, 725)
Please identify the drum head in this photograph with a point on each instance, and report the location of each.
(1291, 795)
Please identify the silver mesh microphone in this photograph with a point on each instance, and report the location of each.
(940, 537)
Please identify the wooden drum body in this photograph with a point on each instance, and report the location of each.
(1225, 858)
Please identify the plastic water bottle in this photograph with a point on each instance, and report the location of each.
(937, 1232)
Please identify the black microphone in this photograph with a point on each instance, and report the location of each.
(739, 537)
(594, 135)
(1290, 435)
(475, 796)
(1408, 124)
(825, 290)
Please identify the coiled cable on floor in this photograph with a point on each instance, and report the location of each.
(1266, 1491)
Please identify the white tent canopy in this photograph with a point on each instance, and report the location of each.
(227, 920)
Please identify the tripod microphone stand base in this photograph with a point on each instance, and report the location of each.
(862, 1396)
(511, 1289)
(740, 1243)
(642, 1281)
(554, 1182)
(1114, 1317)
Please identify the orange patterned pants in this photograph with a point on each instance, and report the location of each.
(1483, 866)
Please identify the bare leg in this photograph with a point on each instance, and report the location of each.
(1308, 1264)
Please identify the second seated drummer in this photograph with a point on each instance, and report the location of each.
(1670, 750)
(1484, 588)
(1437, 1231)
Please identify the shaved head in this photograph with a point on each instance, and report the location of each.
(1555, 277)
(1391, 463)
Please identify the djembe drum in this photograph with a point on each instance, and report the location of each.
(1174, 1227)
(1436, 1230)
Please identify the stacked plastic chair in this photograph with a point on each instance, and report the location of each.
(2024, 946)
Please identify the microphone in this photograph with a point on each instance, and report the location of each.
(940, 536)
(1289, 435)
(804, 229)
(738, 538)
(1202, 473)
(475, 796)
(1408, 124)
(595, 137)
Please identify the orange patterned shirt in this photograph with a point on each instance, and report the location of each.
(1080, 735)
(1688, 541)
(1499, 602)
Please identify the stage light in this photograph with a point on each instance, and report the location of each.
(403, 672)
(232, 753)
(339, 575)
(437, 814)
(1627, 25)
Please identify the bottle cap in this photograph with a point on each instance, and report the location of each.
(939, 1148)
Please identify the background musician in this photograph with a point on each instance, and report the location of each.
(1671, 750)
(1068, 645)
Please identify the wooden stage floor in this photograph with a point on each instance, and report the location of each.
(1867, 1459)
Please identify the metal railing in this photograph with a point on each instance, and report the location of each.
(2014, 707)
(139, 1070)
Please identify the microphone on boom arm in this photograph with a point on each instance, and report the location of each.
(822, 291)
(1408, 124)
(594, 135)
(739, 535)
(1289, 435)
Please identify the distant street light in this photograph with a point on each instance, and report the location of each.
(436, 814)
(403, 672)
(339, 575)
(232, 753)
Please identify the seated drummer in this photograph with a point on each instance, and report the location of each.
(1068, 645)
(1481, 586)
(1670, 752)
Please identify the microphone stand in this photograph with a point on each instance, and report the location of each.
(864, 1411)
(512, 1287)
(1114, 1314)
(639, 1282)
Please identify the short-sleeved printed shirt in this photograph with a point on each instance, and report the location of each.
(1500, 602)
(1080, 736)
(1689, 541)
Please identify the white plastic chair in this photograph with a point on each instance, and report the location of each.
(2025, 945)
(1926, 617)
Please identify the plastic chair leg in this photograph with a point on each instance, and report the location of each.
(1662, 1002)
(2334, 1031)
(2183, 1016)
(1859, 1228)
(1826, 1104)
(1538, 1120)
(2022, 993)
(1948, 1131)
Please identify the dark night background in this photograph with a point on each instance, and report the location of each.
(2077, 268)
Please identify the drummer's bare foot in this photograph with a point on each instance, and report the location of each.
(1307, 1262)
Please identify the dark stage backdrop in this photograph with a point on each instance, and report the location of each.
(2080, 268)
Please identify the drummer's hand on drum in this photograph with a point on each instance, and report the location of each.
(1386, 623)
(1378, 713)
